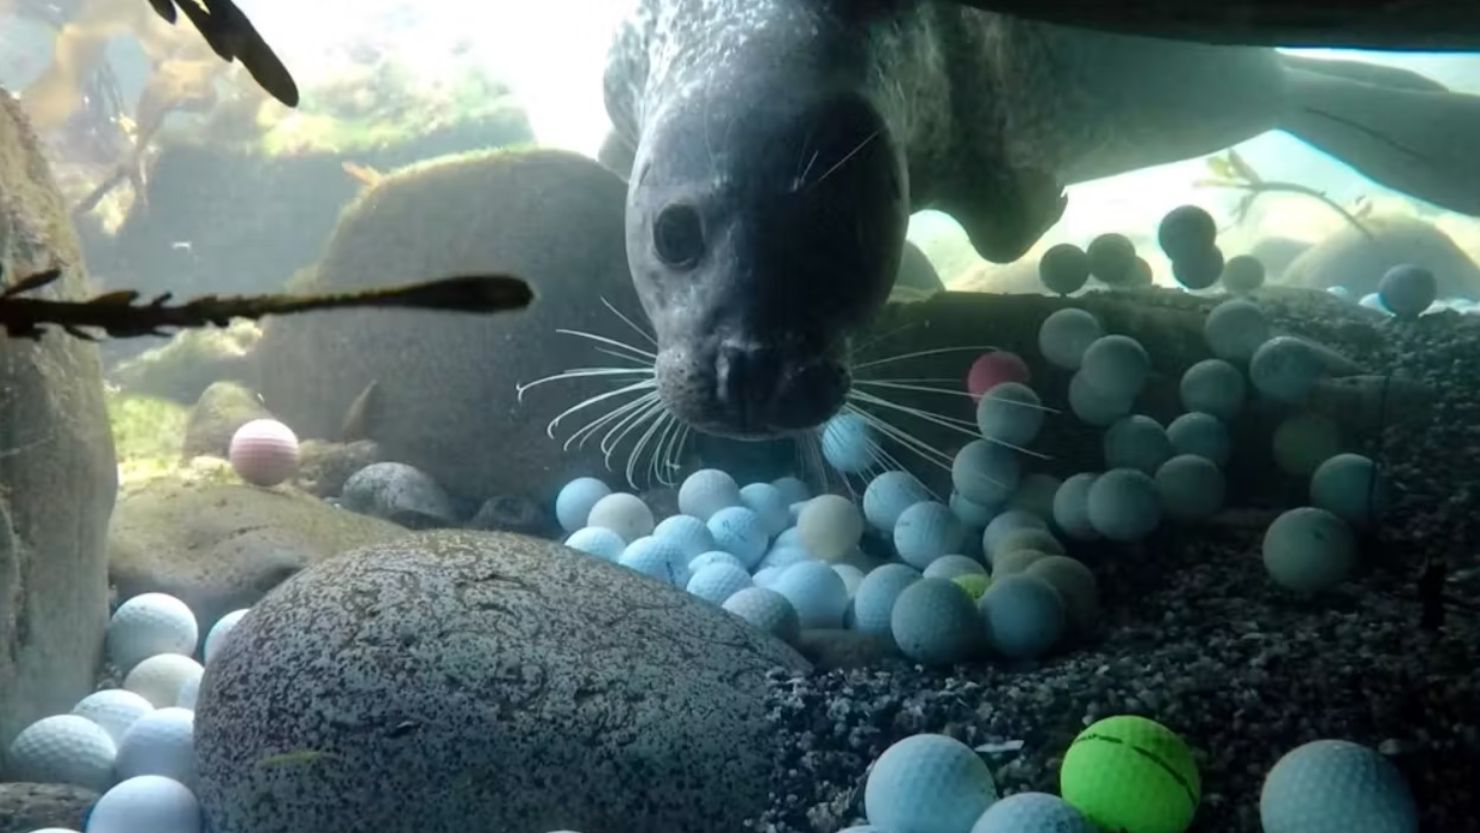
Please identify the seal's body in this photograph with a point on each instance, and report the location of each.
(778, 147)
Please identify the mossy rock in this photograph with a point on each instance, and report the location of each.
(223, 408)
(1349, 258)
(190, 362)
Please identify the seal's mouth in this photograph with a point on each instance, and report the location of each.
(749, 391)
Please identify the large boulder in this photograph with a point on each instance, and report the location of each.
(1352, 259)
(28, 807)
(454, 676)
(446, 400)
(221, 409)
(190, 362)
(57, 473)
(220, 547)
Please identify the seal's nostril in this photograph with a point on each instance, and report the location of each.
(746, 378)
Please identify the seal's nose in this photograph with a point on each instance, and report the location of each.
(746, 377)
(763, 390)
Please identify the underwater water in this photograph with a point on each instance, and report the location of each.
(684, 416)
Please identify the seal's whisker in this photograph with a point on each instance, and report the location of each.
(610, 342)
(924, 450)
(580, 373)
(896, 385)
(582, 435)
(646, 384)
(660, 449)
(626, 425)
(885, 336)
(664, 418)
(847, 156)
(918, 354)
(630, 323)
(961, 426)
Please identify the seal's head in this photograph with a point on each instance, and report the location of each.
(763, 228)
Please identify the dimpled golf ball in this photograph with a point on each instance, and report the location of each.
(216, 636)
(1017, 561)
(950, 566)
(792, 489)
(1124, 505)
(1201, 434)
(704, 559)
(707, 491)
(1066, 334)
(1032, 813)
(1131, 774)
(816, 593)
(1235, 329)
(975, 584)
(1350, 487)
(1040, 540)
(1199, 271)
(624, 514)
(1309, 550)
(686, 532)
(1243, 274)
(995, 368)
(159, 743)
(1024, 616)
(573, 504)
(63, 749)
(149, 802)
(1076, 586)
(1186, 231)
(1010, 413)
(1215, 387)
(719, 581)
(1285, 369)
(1071, 507)
(851, 576)
(189, 694)
(657, 558)
(264, 452)
(848, 444)
(766, 576)
(830, 526)
(1116, 366)
(1336, 786)
(928, 784)
(1064, 268)
(1035, 494)
(934, 622)
(985, 472)
(1408, 290)
(1304, 441)
(784, 556)
(927, 531)
(598, 541)
(873, 602)
(1191, 487)
(1111, 258)
(974, 515)
(149, 624)
(1136, 442)
(1005, 524)
(1095, 407)
(770, 504)
(159, 678)
(113, 709)
(890, 494)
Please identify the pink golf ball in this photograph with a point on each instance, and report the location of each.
(993, 369)
(264, 452)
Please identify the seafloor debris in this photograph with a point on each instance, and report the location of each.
(116, 314)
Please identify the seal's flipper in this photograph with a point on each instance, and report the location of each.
(1415, 141)
(617, 155)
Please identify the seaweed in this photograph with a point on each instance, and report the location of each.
(1231, 171)
(117, 314)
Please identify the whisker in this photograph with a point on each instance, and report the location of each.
(982, 348)
(841, 162)
(924, 389)
(583, 435)
(878, 339)
(618, 432)
(924, 450)
(629, 322)
(610, 342)
(580, 373)
(601, 397)
(961, 426)
(663, 418)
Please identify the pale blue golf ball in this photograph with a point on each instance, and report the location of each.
(767, 576)
(985, 472)
(740, 531)
(1235, 329)
(624, 514)
(1032, 813)
(657, 558)
(707, 491)
(1350, 487)
(974, 515)
(1336, 786)
(873, 602)
(1065, 335)
(928, 784)
(888, 495)
(1407, 290)
(816, 592)
(1137, 442)
(1096, 407)
(1071, 507)
(848, 444)
(767, 502)
(718, 582)
(852, 577)
(216, 637)
(704, 559)
(1124, 505)
(1201, 434)
(1035, 494)
(687, 532)
(935, 623)
(1010, 413)
(1285, 368)
(1191, 487)
(1215, 387)
(792, 489)
(598, 541)
(1004, 525)
(1309, 550)
(1116, 366)
(766, 610)
(1024, 616)
(950, 566)
(926, 531)
(573, 504)
(784, 556)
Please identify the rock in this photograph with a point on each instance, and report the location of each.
(446, 400)
(223, 408)
(58, 479)
(1277, 253)
(829, 649)
(324, 467)
(1349, 259)
(190, 362)
(463, 675)
(28, 807)
(515, 514)
(916, 271)
(401, 494)
(221, 547)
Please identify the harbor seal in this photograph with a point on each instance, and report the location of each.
(778, 147)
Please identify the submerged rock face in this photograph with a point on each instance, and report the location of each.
(455, 675)
(221, 409)
(29, 807)
(446, 399)
(1350, 259)
(57, 473)
(222, 547)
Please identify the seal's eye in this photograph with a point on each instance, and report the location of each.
(678, 236)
